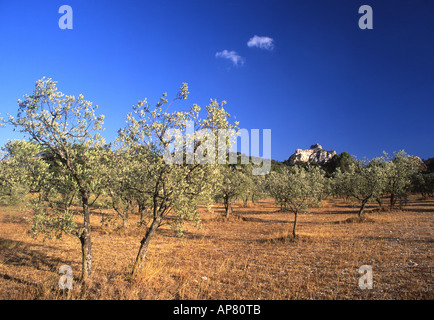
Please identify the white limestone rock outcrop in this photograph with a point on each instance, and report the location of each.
(315, 154)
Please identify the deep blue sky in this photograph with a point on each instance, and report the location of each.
(325, 81)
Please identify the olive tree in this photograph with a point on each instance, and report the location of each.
(423, 183)
(274, 184)
(296, 189)
(233, 183)
(400, 170)
(176, 166)
(248, 184)
(363, 182)
(252, 185)
(22, 171)
(68, 127)
(123, 184)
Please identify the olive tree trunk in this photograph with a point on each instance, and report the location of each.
(362, 209)
(245, 200)
(392, 201)
(228, 207)
(295, 223)
(144, 244)
(142, 211)
(85, 239)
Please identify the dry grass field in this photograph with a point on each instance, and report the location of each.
(247, 256)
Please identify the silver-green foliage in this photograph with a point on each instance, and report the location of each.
(423, 183)
(362, 181)
(68, 128)
(173, 189)
(233, 182)
(400, 170)
(296, 189)
(21, 171)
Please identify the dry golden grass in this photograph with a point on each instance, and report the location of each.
(247, 256)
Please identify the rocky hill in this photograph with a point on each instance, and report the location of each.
(314, 154)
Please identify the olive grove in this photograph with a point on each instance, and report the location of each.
(162, 165)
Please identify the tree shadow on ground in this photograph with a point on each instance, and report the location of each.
(406, 208)
(253, 219)
(395, 239)
(17, 280)
(19, 253)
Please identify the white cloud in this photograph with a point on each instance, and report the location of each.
(231, 55)
(266, 43)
